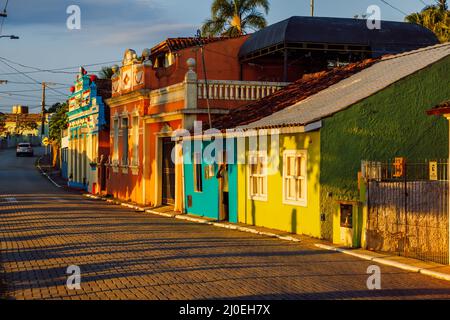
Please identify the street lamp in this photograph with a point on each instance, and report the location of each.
(12, 37)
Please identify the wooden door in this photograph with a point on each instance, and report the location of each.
(168, 172)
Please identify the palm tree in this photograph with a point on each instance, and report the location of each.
(235, 17)
(106, 73)
(434, 17)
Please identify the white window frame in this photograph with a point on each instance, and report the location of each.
(302, 199)
(125, 159)
(263, 176)
(135, 134)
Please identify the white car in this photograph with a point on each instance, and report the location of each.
(24, 149)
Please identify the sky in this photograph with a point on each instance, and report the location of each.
(108, 27)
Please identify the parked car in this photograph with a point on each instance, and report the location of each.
(24, 149)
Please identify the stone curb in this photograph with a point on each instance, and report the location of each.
(395, 264)
(38, 165)
(196, 220)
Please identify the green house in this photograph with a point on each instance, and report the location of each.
(303, 178)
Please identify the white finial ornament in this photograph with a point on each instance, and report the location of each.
(191, 63)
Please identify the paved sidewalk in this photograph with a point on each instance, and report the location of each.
(413, 265)
(431, 269)
(124, 254)
(43, 164)
(128, 254)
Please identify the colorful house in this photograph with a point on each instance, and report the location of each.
(300, 173)
(22, 126)
(183, 80)
(210, 178)
(161, 93)
(64, 154)
(88, 132)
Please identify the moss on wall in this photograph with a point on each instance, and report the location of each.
(389, 124)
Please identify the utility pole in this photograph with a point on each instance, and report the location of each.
(199, 36)
(43, 110)
(312, 8)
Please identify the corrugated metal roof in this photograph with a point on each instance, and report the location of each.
(393, 37)
(301, 89)
(355, 88)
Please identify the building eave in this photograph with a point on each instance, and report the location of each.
(128, 97)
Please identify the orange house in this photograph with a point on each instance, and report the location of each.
(167, 89)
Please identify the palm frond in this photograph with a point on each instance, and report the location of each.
(254, 21)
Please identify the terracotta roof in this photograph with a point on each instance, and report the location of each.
(301, 89)
(10, 117)
(176, 44)
(355, 88)
(443, 108)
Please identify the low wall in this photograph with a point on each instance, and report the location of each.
(410, 219)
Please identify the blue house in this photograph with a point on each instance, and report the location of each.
(210, 179)
(89, 134)
(64, 155)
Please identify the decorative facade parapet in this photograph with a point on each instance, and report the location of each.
(131, 76)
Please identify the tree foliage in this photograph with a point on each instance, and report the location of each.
(58, 122)
(2, 124)
(106, 73)
(434, 17)
(236, 17)
(24, 124)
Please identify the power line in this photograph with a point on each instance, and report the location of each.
(393, 7)
(32, 79)
(31, 90)
(22, 95)
(55, 70)
(34, 83)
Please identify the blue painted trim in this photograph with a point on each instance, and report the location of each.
(206, 203)
(77, 185)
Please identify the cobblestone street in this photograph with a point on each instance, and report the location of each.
(129, 255)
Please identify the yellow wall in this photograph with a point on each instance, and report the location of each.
(10, 127)
(273, 213)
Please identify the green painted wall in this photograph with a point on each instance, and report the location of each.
(390, 123)
(273, 213)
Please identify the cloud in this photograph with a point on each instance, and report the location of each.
(98, 12)
(146, 35)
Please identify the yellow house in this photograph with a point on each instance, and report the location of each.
(279, 183)
(21, 126)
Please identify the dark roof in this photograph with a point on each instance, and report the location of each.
(394, 37)
(176, 44)
(443, 108)
(307, 86)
